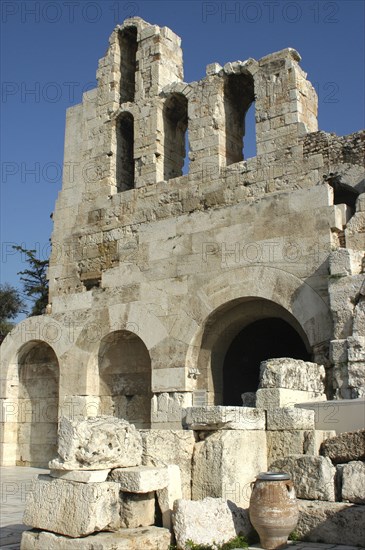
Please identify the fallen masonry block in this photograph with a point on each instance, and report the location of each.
(96, 444)
(81, 476)
(345, 447)
(225, 418)
(273, 398)
(290, 418)
(294, 442)
(167, 496)
(146, 538)
(292, 374)
(137, 510)
(209, 521)
(331, 523)
(353, 482)
(313, 476)
(226, 462)
(140, 479)
(164, 447)
(71, 508)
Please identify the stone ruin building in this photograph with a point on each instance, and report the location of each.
(179, 265)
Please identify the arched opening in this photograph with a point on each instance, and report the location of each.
(264, 339)
(239, 95)
(237, 337)
(128, 63)
(125, 378)
(175, 118)
(38, 405)
(125, 152)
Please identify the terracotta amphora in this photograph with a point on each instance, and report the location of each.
(273, 509)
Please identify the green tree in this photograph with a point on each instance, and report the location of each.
(34, 280)
(11, 305)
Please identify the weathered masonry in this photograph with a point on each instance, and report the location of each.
(178, 265)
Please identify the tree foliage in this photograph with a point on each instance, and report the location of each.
(34, 280)
(11, 305)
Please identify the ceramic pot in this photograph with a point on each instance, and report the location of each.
(273, 509)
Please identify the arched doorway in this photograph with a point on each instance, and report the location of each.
(237, 337)
(261, 340)
(125, 378)
(37, 405)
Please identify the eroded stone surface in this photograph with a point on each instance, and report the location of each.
(225, 418)
(313, 476)
(345, 447)
(293, 374)
(96, 444)
(82, 476)
(146, 538)
(71, 508)
(167, 496)
(283, 443)
(331, 522)
(273, 398)
(137, 510)
(207, 521)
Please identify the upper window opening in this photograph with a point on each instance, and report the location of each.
(238, 97)
(125, 152)
(128, 63)
(175, 116)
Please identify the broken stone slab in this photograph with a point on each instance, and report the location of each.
(273, 398)
(345, 447)
(164, 447)
(225, 418)
(167, 496)
(290, 418)
(353, 482)
(71, 508)
(292, 374)
(140, 479)
(313, 476)
(97, 443)
(225, 463)
(137, 510)
(81, 476)
(146, 538)
(209, 521)
(331, 522)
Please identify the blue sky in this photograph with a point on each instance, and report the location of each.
(49, 55)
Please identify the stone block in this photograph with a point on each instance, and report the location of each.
(331, 523)
(211, 521)
(167, 496)
(273, 398)
(148, 538)
(226, 462)
(225, 418)
(292, 374)
(164, 447)
(284, 443)
(290, 418)
(313, 476)
(96, 444)
(353, 482)
(81, 476)
(71, 508)
(137, 510)
(140, 479)
(345, 447)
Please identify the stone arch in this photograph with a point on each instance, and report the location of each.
(38, 398)
(239, 298)
(125, 378)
